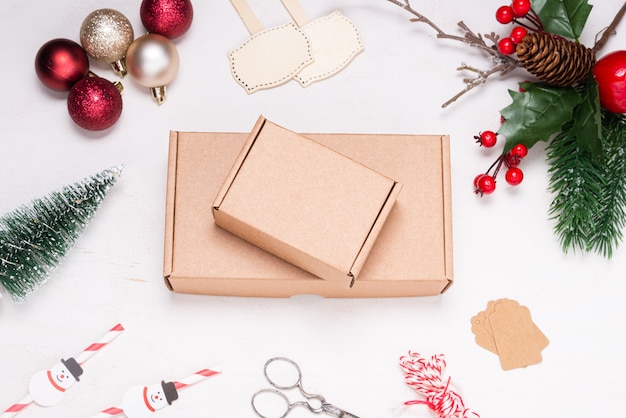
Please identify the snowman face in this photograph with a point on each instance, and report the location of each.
(156, 396)
(62, 376)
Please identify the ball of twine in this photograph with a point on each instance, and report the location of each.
(426, 376)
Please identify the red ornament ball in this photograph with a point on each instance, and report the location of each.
(94, 103)
(610, 73)
(169, 18)
(60, 63)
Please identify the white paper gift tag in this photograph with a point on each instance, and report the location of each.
(270, 57)
(335, 40)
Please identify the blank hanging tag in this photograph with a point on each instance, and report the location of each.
(335, 40)
(270, 57)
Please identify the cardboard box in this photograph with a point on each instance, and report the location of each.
(411, 257)
(304, 202)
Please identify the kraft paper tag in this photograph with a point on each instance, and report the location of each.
(270, 57)
(335, 40)
(506, 328)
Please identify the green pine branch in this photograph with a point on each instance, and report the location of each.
(611, 219)
(589, 190)
(36, 236)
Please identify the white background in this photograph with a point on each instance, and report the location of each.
(504, 246)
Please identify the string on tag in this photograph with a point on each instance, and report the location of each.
(426, 376)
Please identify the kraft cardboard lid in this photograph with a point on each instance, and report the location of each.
(315, 202)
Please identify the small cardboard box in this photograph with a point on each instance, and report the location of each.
(304, 202)
(411, 257)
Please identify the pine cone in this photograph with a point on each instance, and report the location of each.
(555, 60)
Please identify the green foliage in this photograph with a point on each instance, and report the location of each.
(576, 182)
(537, 113)
(611, 219)
(36, 236)
(587, 120)
(563, 17)
(590, 193)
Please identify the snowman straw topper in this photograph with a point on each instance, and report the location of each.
(143, 401)
(47, 387)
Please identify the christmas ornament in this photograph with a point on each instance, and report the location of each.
(610, 74)
(106, 34)
(35, 237)
(95, 103)
(143, 401)
(257, 63)
(335, 40)
(170, 18)
(576, 106)
(153, 61)
(48, 387)
(426, 376)
(60, 63)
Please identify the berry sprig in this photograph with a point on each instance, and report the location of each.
(520, 13)
(577, 105)
(485, 183)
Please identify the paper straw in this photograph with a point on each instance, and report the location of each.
(180, 384)
(15, 409)
(88, 352)
(196, 377)
(85, 355)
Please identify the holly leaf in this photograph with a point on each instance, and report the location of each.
(537, 113)
(563, 17)
(587, 126)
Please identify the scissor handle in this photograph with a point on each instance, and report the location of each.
(288, 406)
(296, 383)
(333, 411)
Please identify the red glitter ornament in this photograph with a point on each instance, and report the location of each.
(60, 63)
(94, 103)
(169, 18)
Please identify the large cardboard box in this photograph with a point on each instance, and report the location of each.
(305, 202)
(411, 257)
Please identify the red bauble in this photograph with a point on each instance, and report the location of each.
(610, 73)
(60, 63)
(170, 18)
(94, 103)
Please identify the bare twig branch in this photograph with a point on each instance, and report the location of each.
(610, 30)
(503, 63)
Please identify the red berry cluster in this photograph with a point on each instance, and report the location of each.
(521, 13)
(486, 183)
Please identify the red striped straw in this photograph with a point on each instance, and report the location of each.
(180, 384)
(88, 352)
(85, 355)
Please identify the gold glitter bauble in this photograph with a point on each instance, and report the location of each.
(105, 35)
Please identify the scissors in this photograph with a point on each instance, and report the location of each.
(315, 403)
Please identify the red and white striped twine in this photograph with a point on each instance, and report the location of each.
(426, 377)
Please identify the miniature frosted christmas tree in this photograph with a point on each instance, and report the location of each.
(35, 237)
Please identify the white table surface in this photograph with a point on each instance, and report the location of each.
(348, 350)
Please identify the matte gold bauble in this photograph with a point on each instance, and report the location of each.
(105, 35)
(152, 61)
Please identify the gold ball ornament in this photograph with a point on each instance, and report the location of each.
(152, 61)
(106, 35)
